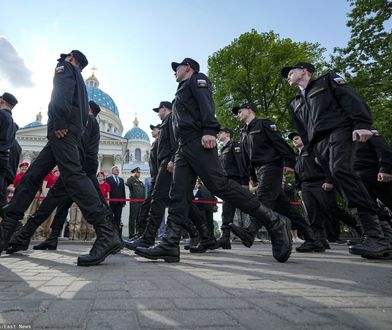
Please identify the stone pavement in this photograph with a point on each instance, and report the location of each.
(232, 289)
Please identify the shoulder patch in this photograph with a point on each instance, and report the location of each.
(237, 149)
(273, 127)
(339, 80)
(201, 83)
(59, 69)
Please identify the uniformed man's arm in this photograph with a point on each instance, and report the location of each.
(241, 165)
(352, 104)
(172, 140)
(202, 91)
(383, 151)
(62, 95)
(281, 145)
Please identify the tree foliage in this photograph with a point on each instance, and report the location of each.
(367, 60)
(248, 70)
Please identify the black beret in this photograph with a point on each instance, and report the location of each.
(79, 56)
(152, 127)
(165, 104)
(136, 169)
(193, 64)
(300, 65)
(292, 135)
(250, 106)
(226, 130)
(9, 98)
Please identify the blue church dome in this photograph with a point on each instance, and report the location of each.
(35, 123)
(98, 96)
(136, 133)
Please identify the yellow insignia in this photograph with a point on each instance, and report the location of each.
(340, 81)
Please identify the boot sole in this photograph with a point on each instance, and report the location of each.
(117, 248)
(15, 248)
(383, 256)
(46, 248)
(169, 259)
(195, 249)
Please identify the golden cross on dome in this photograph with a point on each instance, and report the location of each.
(94, 68)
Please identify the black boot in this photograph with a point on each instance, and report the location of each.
(168, 249)
(279, 229)
(145, 240)
(246, 235)
(7, 229)
(107, 242)
(311, 244)
(374, 245)
(387, 230)
(51, 242)
(207, 240)
(21, 239)
(224, 240)
(321, 236)
(194, 237)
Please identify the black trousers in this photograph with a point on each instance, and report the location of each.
(4, 160)
(338, 215)
(316, 207)
(142, 217)
(336, 150)
(271, 194)
(116, 208)
(160, 198)
(58, 197)
(228, 210)
(193, 160)
(65, 154)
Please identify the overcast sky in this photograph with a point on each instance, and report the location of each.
(132, 43)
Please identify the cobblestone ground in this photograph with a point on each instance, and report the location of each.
(232, 289)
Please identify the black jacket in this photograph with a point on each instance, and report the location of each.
(7, 130)
(374, 156)
(263, 144)
(308, 173)
(194, 110)
(90, 146)
(153, 160)
(329, 103)
(68, 107)
(167, 143)
(233, 162)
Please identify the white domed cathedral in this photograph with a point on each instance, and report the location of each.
(126, 152)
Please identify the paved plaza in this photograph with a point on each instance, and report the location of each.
(232, 289)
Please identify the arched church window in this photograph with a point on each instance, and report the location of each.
(138, 154)
(127, 156)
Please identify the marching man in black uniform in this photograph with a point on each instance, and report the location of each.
(268, 158)
(195, 128)
(329, 116)
(68, 117)
(7, 137)
(234, 169)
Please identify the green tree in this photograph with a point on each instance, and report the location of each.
(248, 70)
(367, 60)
